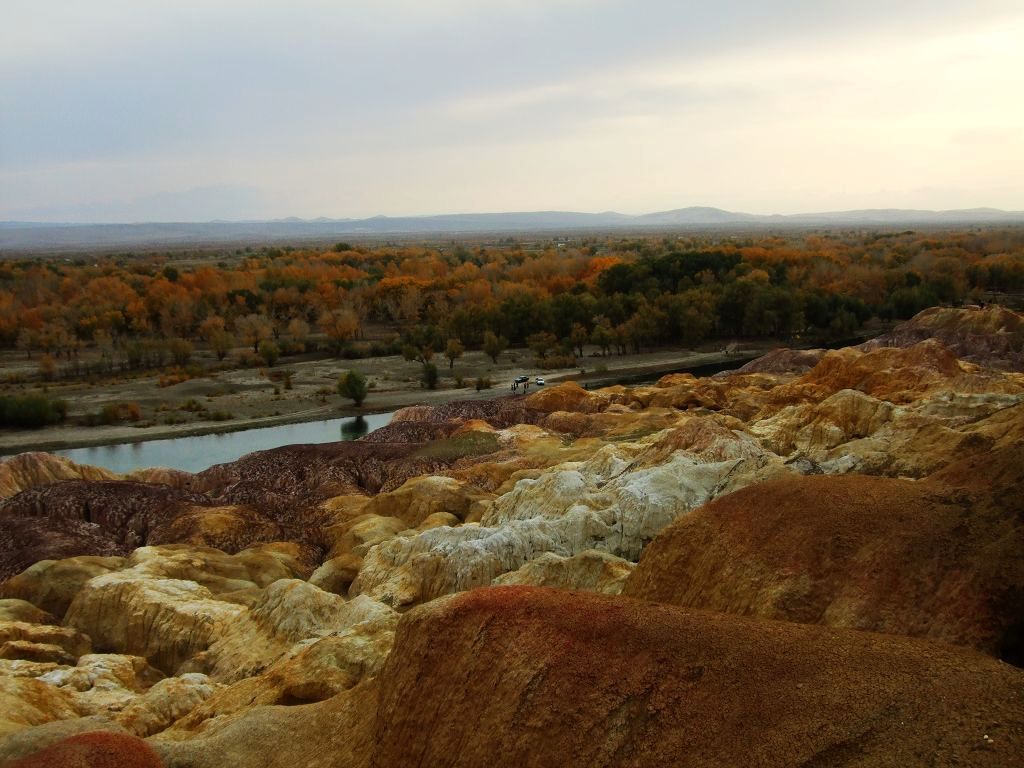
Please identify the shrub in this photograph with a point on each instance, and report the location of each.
(175, 376)
(114, 413)
(483, 383)
(353, 386)
(430, 376)
(269, 352)
(47, 367)
(248, 359)
(557, 361)
(181, 350)
(31, 411)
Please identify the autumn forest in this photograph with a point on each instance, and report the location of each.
(254, 306)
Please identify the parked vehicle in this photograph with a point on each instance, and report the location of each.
(521, 379)
(540, 382)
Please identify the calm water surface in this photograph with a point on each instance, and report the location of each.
(194, 454)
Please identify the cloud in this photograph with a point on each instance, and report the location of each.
(356, 108)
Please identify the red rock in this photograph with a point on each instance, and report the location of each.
(938, 558)
(523, 676)
(97, 749)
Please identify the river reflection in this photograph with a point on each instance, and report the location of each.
(194, 454)
(353, 429)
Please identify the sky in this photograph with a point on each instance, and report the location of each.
(194, 110)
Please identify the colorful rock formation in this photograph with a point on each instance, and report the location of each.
(814, 560)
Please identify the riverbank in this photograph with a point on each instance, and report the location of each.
(251, 393)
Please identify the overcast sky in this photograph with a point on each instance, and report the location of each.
(129, 110)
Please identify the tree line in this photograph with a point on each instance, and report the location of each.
(617, 294)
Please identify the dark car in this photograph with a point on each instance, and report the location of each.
(521, 379)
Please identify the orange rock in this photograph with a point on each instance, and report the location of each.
(568, 396)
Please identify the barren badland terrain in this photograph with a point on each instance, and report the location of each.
(816, 560)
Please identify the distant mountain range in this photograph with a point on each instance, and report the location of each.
(20, 236)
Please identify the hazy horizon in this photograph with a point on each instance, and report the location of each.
(198, 111)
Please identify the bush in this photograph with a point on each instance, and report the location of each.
(430, 377)
(355, 351)
(31, 411)
(557, 361)
(47, 368)
(269, 351)
(483, 383)
(248, 359)
(181, 350)
(353, 386)
(114, 413)
(177, 376)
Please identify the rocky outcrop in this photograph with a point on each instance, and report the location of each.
(784, 361)
(25, 701)
(53, 584)
(561, 678)
(991, 336)
(32, 470)
(78, 517)
(99, 749)
(615, 502)
(166, 621)
(590, 571)
(337, 732)
(288, 612)
(925, 559)
(13, 609)
(247, 615)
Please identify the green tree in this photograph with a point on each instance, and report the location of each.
(221, 343)
(494, 345)
(541, 343)
(579, 336)
(602, 335)
(430, 376)
(422, 355)
(181, 350)
(353, 386)
(269, 352)
(453, 351)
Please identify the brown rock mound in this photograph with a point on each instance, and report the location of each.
(98, 749)
(29, 470)
(783, 361)
(519, 676)
(991, 336)
(568, 396)
(934, 559)
(269, 496)
(80, 517)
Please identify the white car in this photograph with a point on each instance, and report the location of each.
(540, 382)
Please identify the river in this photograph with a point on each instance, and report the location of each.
(194, 454)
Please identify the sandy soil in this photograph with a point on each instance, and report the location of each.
(253, 397)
